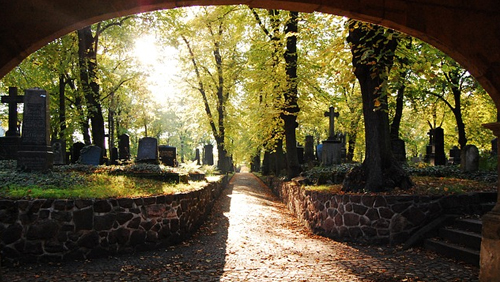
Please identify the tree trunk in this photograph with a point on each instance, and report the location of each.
(396, 121)
(373, 54)
(291, 108)
(88, 76)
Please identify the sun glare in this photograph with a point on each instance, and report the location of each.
(161, 66)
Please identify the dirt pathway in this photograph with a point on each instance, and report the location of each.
(250, 236)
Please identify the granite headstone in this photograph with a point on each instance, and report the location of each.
(148, 150)
(90, 155)
(168, 155)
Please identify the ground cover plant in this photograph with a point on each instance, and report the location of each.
(82, 181)
(428, 180)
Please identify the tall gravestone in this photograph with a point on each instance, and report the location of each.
(455, 157)
(124, 147)
(197, 157)
(332, 147)
(435, 150)
(9, 145)
(208, 157)
(148, 150)
(35, 152)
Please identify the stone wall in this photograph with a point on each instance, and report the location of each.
(370, 217)
(46, 230)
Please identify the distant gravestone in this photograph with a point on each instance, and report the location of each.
(494, 146)
(35, 152)
(440, 157)
(197, 157)
(168, 155)
(332, 147)
(59, 151)
(124, 147)
(470, 163)
(319, 151)
(9, 144)
(208, 157)
(75, 151)
(114, 155)
(148, 150)
(90, 155)
(454, 156)
(309, 149)
(398, 149)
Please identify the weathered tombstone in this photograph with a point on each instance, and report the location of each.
(398, 149)
(59, 151)
(148, 150)
(470, 163)
(454, 156)
(208, 158)
(319, 152)
(124, 147)
(440, 157)
(35, 152)
(309, 149)
(197, 157)
(90, 155)
(168, 155)
(75, 151)
(9, 145)
(435, 150)
(332, 147)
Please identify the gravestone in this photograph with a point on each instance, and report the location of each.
(9, 144)
(148, 150)
(309, 149)
(114, 156)
(208, 157)
(124, 147)
(494, 147)
(332, 147)
(197, 157)
(435, 149)
(168, 155)
(90, 155)
(319, 152)
(59, 151)
(398, 149)
(470, 162)
(454, 156)
(35, 152)
(75, 151)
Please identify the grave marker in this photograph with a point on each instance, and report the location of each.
(309, 149)
(124, 147)
(59, 151)
(208, 157)
(332, 147)
(168, 155)
(75, 151)
(470, 163)
(35, 152)
(148, 150)
(90, 155)
(12, 100)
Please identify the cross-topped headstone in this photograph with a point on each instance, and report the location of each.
(331, 114)
(12, 100)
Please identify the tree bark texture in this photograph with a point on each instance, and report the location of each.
(373, 53)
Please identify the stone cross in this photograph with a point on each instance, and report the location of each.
(12, 100)
(331, 114)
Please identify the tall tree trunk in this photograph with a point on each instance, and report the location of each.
(373, 53)
(87, 45)
(291, 108)
(398, 114)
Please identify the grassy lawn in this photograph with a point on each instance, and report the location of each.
(90, 182)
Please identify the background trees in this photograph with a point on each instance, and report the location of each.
(240, 85)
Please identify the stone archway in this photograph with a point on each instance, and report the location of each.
(468, 31)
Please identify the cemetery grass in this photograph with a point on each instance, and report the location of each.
(87, 182)
(428, 180)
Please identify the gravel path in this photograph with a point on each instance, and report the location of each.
(250, 236)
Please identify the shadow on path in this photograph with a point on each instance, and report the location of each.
(251, 236)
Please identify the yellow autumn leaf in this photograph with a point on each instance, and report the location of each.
(377, 103)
